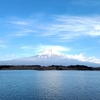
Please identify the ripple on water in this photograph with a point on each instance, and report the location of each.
(49, 85)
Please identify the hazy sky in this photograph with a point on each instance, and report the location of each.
(28, 27)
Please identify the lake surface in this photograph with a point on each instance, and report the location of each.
(49, 85)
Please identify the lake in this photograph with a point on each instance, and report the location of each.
(49, 85)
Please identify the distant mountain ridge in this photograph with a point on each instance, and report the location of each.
(48, 57)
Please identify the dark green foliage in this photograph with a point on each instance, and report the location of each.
(52, 67)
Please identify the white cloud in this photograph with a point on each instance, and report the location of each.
(83, 58)
(56, 47)
(19, 22)
(62, 27)
(93, 59)
(97, 27)
(27, 47)
(80, 57)
(19, 34)
(21, 27)
(41, 48)
(69, 27)
(10, 57)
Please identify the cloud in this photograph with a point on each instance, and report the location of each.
(83, 58)
(18, 34)
(56, 47)
(20, 23)
(21, 33)
(69, 27)
(28, 47)
(10, 57)
(20, 27)
(40, 48)
(80, 57)
(93, 59)
(60, 27)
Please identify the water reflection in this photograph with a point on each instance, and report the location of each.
(49, 85)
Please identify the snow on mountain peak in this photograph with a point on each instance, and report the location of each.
(50, 52)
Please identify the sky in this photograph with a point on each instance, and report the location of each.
(28, 27)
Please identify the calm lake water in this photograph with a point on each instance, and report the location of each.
(49, 85)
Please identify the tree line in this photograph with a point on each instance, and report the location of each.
(51, 67)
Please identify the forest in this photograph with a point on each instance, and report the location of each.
(51, 67)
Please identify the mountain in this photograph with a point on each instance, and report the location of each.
(50, 53)
(48, 57)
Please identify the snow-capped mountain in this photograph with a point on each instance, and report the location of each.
(48, 57)
(50, 53)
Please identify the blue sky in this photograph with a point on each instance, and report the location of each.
(28, 27)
